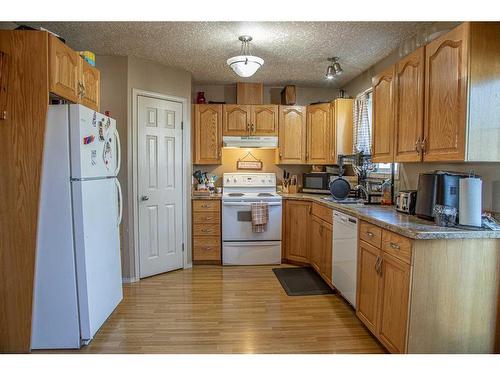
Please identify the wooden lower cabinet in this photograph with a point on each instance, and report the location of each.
(296, 230)
(326, 263)
(316, 227)
(393, 303)
(368, 284)
(206, 232)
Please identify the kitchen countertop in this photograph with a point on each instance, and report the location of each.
(407, 225)
(206, 197)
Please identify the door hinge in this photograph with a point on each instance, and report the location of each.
(182, 247)
(182, 125)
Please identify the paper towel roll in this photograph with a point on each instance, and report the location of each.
(469, 204)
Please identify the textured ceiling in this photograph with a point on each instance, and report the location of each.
(294, 52)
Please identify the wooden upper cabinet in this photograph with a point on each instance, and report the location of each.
(383, 116)
(207, 133)
(341, 137)
(264, 120)
(90, 80)
(368, 285)
(446, 66)
(292, 135)
(318, 134)
(316, 250)
(393, 303)
(64, 70)
(409, 107)
(236, 119)
(296, 234)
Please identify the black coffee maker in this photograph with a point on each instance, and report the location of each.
(439, 187)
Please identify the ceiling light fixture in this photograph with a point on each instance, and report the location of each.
(334, 69)
(245, 65)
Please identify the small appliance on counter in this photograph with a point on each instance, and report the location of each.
(437, 188)
(317, 182)
(405, 201)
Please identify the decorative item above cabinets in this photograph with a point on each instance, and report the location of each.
(72, 78)
(439, 103)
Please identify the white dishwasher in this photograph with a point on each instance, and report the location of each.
(345, 255)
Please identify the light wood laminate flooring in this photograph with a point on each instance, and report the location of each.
(214, 309)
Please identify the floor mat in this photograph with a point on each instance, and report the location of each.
(301, 281)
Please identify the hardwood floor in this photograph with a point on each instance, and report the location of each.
(213, 309)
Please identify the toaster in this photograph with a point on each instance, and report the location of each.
(405, 201)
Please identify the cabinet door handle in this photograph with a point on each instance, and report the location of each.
(376, 264)
(252, 128)
(206, 230)
(423, 145)
(395, 246)
(418, 146)
(205, 206)
(369, 234)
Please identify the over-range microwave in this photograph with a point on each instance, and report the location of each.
(317, 182)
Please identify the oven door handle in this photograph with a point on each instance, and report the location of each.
(240, 204)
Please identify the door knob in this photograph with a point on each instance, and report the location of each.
(144, 198)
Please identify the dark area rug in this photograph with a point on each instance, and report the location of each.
(301, 281)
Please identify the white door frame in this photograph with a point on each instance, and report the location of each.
(133, 172)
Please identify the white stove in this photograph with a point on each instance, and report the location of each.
(240, 245)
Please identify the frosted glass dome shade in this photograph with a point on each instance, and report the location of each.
(245, 65)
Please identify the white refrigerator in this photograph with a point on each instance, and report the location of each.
(78, 280)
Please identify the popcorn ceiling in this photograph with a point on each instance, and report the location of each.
(294, 52)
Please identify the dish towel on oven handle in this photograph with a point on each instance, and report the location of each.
(260, 216)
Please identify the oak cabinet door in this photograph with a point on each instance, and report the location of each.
(207, 133)
(409, 107)
(264, 120)
(326, 263)
(393, 303)
(316, 243)
(296, 219)
(236, 120)
(292, 135)
(91, 80)
(341, 138)
(446, 96)
(383, 116)
(368, 285)
(318, 134)
(64, 70)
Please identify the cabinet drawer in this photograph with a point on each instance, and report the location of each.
(397, 245)
(370, 233)
(206, 230)
(324, 213)
(213, 205)
(207, 217)
(206, 248)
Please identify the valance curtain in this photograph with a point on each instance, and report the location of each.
(362, 130)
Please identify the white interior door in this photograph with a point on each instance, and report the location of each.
(159, 185)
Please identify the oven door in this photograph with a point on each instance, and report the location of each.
(237, 222)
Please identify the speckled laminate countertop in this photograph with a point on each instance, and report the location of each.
(407, 225)
(207, 197)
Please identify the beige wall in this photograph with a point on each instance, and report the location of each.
(231, 155)
(489, 172)
(272, 94)
(119, 75)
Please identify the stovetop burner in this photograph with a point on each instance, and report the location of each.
(236, 194)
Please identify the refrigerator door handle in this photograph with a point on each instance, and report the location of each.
(118, 153)
(120, 211)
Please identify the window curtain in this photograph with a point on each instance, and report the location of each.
(362, 130)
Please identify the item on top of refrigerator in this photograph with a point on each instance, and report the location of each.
(444, 216)
(386, 193)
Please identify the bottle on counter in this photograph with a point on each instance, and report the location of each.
(386, 193)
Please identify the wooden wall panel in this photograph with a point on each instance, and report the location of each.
(21, 149)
